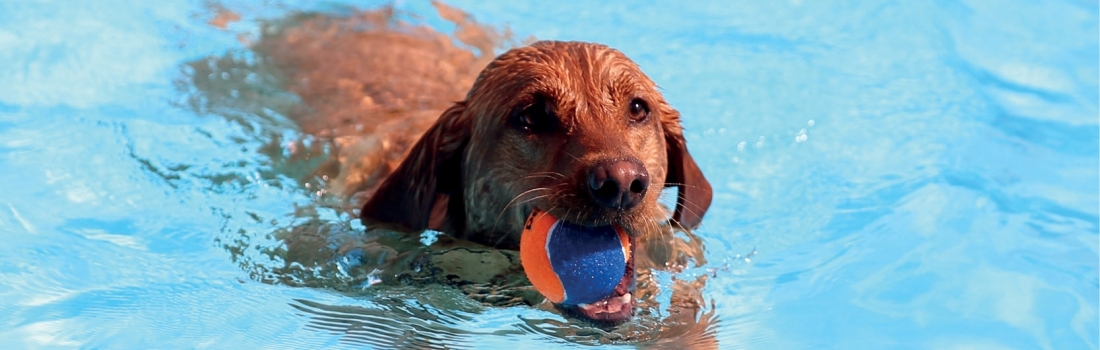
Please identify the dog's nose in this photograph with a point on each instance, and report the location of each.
(618, 183)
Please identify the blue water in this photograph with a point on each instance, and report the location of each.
(917, 174)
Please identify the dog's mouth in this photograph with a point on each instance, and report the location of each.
(618, 305)
(615, 308)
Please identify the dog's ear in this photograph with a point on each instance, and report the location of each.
(422, 192)
(694, 194)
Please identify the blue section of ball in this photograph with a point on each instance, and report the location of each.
(588, 260)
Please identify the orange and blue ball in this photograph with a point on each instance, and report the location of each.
(572, 264)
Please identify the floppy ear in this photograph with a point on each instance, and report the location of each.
(694, 194)
(422, 192)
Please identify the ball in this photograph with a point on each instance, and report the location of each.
(572, 264)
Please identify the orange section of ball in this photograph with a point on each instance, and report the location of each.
(533, 256)
(625, 240)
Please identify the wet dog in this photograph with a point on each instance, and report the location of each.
(572, 128)
(575, 129)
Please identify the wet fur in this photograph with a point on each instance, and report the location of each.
(381, 97)
(475, 176)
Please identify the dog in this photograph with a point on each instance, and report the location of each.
(572, 128)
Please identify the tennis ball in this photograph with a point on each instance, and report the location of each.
(572, 264)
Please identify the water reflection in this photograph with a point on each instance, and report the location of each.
(394, 322)
(441, 318)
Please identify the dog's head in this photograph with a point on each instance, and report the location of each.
(575, 129)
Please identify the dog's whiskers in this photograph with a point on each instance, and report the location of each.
(548, 175)
(572, 156)
(687, 206)
(513, 201)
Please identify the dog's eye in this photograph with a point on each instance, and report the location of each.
(639, 110)
(535, 119)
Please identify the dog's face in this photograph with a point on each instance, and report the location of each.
(574, 129)
(571, 129)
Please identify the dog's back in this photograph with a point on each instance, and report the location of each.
(371, 84)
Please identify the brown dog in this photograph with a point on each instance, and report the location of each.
(575, 129)
(572, 128)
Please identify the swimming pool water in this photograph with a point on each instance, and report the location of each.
(886, 175)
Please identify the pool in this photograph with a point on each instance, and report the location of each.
(886, 175)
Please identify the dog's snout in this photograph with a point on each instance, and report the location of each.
(618, 184)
